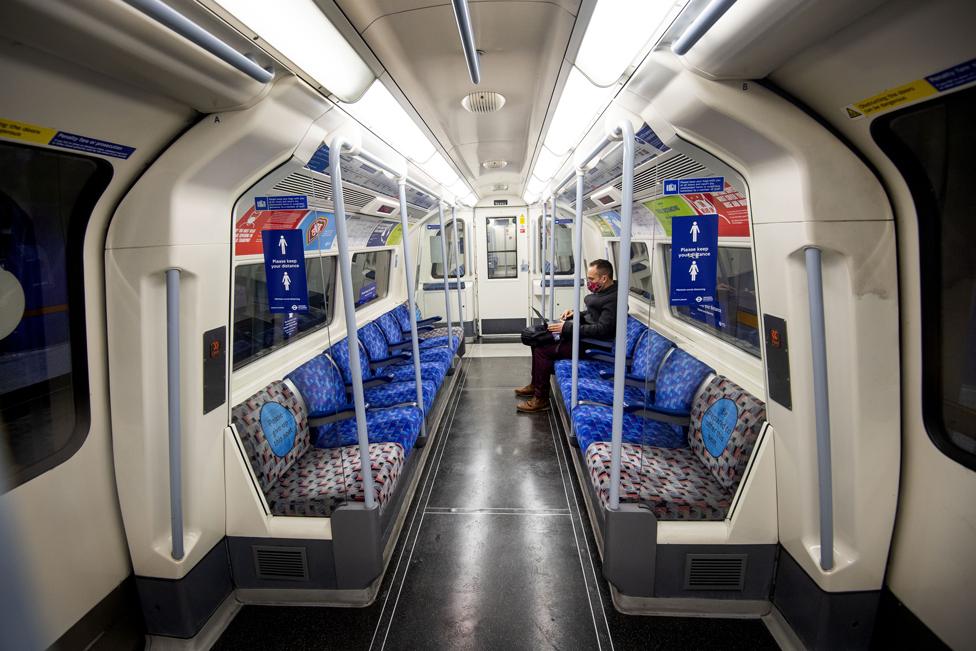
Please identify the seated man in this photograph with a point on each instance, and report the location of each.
(598, 321)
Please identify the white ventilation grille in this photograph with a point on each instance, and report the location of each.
(499, 187)
(649, 180)
(321, 188)
(486, 101)
(280, 563)
(494, 164)
(715, 571)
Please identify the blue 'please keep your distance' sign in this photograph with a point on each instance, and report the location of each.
(284, 270)
(694, 248)
(694, 186)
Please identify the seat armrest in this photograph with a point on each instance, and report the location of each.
(402, 346)
(428, 320)
(320, 418)
(629, 379)
(599, 343)
(388, 361)
(375, 381)
(660, 414)
(420, 328)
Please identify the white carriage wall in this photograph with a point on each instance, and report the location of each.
(807, 189)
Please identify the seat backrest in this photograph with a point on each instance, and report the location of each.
(374, 341)
(320, 383)
(648, 354)
(678, 380)
(402, 314)
(725, 423)
(273, 427)
(390, 326)
(339, 352)
(634, 331)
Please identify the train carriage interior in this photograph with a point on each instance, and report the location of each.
(590, 324)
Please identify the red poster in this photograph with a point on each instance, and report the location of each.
(247, 232)
(730, 206)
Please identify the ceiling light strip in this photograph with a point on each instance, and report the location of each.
(166, 15)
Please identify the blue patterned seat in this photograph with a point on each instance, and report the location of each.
(697, 482)
(433, 363)
(590, 369)
(677, 382)
(648, 355)
(320, 384)
(402, 314)
(384, 395)
(390, 326)
(297, 479)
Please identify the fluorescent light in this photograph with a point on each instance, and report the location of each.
(384, 116)
(579, 105)
(469, 199)
(440, 170)
(302, 33)
(617, 32)
(547, 164)
(535, 186)
(459, 189)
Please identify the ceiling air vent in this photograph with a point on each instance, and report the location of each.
(280, 563)
(494, 164)
(715, 571)
(499, 187)
(485, 101)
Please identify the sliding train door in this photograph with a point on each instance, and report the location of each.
(502, 241)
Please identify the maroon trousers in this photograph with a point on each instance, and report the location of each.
(544, 360)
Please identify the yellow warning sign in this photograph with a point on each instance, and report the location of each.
(24, 131)
(891, 98)
(521, 220)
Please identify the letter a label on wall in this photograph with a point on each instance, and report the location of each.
(694, 249)
(284, 270)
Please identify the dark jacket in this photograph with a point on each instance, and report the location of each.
(599, 319)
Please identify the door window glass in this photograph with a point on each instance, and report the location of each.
(46, 199)
(370, 276)
(437, 263)
(502, 247)
(564, 249)
(640, 269)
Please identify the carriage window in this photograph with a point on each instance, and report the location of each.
(737, 319)
(502, 247)
(370, 276)
(46, 199)
(640, 269)
(564, 249)
(437, 264)
(257, 331)
(934, 147)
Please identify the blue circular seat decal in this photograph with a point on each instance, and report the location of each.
(279, 428)
(717, 426)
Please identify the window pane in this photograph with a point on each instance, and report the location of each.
(640, 269)
(437, 264)
(370, 276)
(564, 249)
(737, 320)
(257, 331)
(934, 147)
(46, 198)
(502, 247)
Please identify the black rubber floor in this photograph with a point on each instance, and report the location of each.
(496, 553)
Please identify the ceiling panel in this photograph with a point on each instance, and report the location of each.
(417, 42)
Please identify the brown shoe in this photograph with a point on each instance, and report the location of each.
(533, 405)
(527, 390)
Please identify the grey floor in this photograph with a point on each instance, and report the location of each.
(496, 553)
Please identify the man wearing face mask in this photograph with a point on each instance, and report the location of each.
(597, 321)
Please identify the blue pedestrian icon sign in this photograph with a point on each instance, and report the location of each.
(694, 247)
(694, 186)
(284, 270)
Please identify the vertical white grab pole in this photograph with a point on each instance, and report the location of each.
(542, 262)
(626, 133)
(552, 263)
(175, 412)
(577, 273)
(447, 282)
(349, 307)
(411, 300)
(457, 268)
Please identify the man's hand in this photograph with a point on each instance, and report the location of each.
(567, 315)
(556, 327)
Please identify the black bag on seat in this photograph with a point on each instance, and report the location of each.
(537, 335)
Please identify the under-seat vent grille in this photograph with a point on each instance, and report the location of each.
(715, 571)
(280, 563)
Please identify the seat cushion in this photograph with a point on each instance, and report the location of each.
(392, 425)
(273, 429)
(672, 482)
(587, 368)
(429, 372)
(321, 480)
(399, 393)
(441, 331)
(725, 423)
(594, 422)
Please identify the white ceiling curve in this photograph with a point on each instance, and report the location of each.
(524, 42)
